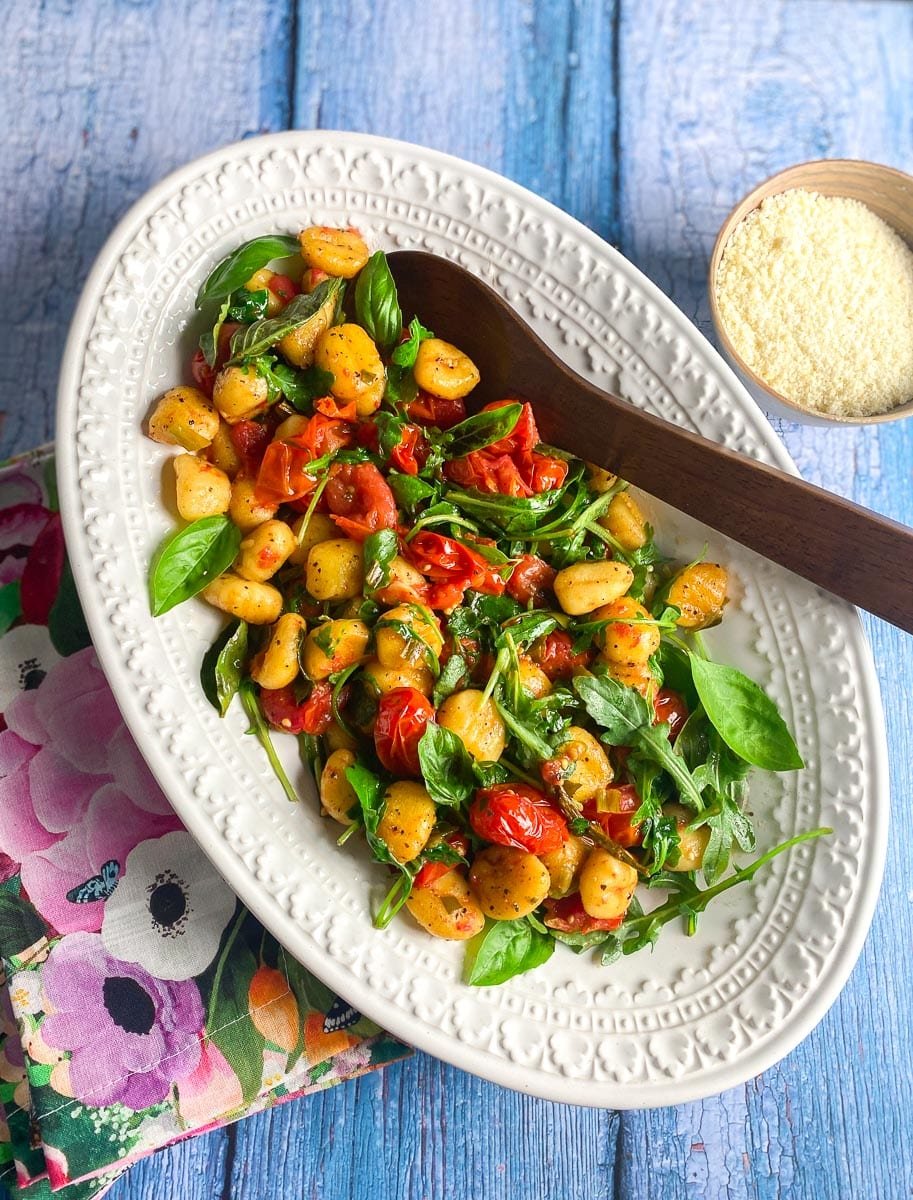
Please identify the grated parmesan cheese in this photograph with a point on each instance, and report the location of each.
(816, 295)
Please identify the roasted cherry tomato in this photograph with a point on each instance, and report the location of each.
(524, 434)
(433, 410)
(282, 475)
(495, 474)
(431, 872)
(515, 814)
(250, 439)
(311, 715)
(445, 560)
(531, 581)
(671, 708)
(568, 916)
(330, 406)
(410, 452)
(625, 802)
(555, 655)
(283, 287)
(541, 472)
(324, 435)
(402, 716)
(359, 499)
(202, 374)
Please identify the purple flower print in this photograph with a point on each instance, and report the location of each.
(130, 1036)
(74, 791)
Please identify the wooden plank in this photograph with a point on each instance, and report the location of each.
(99, 101)
(713, 98)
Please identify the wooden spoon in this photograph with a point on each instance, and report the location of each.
(858, 555)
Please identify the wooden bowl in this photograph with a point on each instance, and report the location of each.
(886, 191)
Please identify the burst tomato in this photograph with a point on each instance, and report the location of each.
(494, 474)
(554, 654)
(250, 439)
(671, 708)
(311, 715)
(524, 434)
(282, 475)
(568, 915)
(531, 581)
(617, 823)
(410, 453)
(202, 374)
(447, 561)
(541, 472)
(402, 716)
(431, 872)
(515, 814)
(359, 500)
(426, 409)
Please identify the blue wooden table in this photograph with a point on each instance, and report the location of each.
(646, 119)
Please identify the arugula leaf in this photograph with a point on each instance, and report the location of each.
(370, 791)
(454, 676)
(526, 629)
(409, 491)
(299, 387)
(480, 613)
(235, 270)
(223, 666)
(209, 341)
(379, 550)
(446, 766)
(190, 559)
(490, 773)
(376, 305)
(318, 307)
(480, 430)
(406, 352)
(744, 716)
(247, 690)
(508, 948)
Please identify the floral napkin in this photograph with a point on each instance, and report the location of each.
(141, 1002)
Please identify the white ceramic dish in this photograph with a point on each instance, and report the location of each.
(695, 1016)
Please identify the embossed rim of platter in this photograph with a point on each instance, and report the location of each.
(97, 589)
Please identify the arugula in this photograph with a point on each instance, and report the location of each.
(190, 559)
(369, 789)
(223, 666)
(744, 716)
(379, 550)
(318, 307)
(376, 305)
(507, 949)
(627, 718)
(659, 831)
(247, 690)
(299, 387)
(454, 676)
(446, 766)
(235, 270)
(409, 491)
(401, 387)
(479, 431)
(480, 614)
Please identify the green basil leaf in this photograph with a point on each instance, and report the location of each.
(408, 490)
(376, 305)
(479, 431)
(190, 559)
(406, 352)
(446, 766)
(245, 306)
(319, 308)
(370, 790)
(454, 675)
(744, 716)
(235, 270)
(209, 341)
(488, 774)
(509, 948)
(223, 666)
(379, 550)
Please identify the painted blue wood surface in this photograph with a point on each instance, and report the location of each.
(646, 119)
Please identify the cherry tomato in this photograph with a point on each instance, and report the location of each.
(431, 872)
(524, 434)
(410, 453)
(495, 474)
(312, 278)
(445, 560)
(324, 435)
(531, 581)
(311, 715)
(202, 374)
(554, 654)
(283, 287)
(250, 439)
(569, 916)
(541, 472)
(433, 410)
(329, 406)
(445, 597)
(282, 476)
(515, 814)
(359, 499)
(402, 716)
(625, 801)
(671, 708)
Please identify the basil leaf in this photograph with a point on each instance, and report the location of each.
(319, 307)
(300, 388)
(446, 766)
(479, 431)
(376, 305)
(370, 791)
(223, 666)
(509, 948)
(245, 306)
(488, 774)
(408, 490)
(235, 270)
(209, 341)
(454, 675)
(190, 559)
(379, 550)
(406, 352)
(259, 728)
(525, 630)
(744, 716)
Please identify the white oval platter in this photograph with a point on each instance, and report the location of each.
(696, 1015)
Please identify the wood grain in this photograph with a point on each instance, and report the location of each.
(100, 98)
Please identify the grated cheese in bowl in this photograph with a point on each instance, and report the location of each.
(816, 296)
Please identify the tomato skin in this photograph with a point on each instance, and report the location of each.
(250, 440)
(324, 435)
(444, 560)
(531, 581)
(311, 715)
(494, 474)
(426, 409)
(283, 287)
(567, 915)
(541, 472)
(411, 452)
(359, 500)
(554, 654)
(402, 716)
(618, 824)
(431, 872)
(202, 374)
(515, 814)
(282, 476)
(524, 434)
(671, 708)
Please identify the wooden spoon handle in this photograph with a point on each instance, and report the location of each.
(856, 554)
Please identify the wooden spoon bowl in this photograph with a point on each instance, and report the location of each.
(853, 553)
